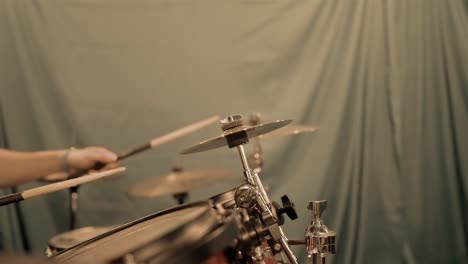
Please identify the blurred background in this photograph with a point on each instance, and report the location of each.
(386, 81)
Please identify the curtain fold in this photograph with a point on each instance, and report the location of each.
(385, 81)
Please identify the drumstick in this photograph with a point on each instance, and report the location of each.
(151, 144)
(170, 136)
(53, 187)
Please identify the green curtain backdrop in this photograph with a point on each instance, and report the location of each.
(385, 80)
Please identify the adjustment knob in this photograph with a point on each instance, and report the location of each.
(288, 209)
(231, 122)
(317, 208)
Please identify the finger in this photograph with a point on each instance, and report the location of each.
(108, 166)
(112, 165)
(102, 155)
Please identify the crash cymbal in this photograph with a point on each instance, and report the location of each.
(291, 130)
(252, 131)
(177, 182)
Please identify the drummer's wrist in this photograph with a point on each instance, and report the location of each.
(65, 163)
(48, 161)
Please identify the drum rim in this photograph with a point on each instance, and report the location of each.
(51, 241)
(218, 239)
(227, 197)
(205, 215)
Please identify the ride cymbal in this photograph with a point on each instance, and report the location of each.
(176, 182)
(291, 130)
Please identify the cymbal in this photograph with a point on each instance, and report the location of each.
(23, 259)
(291, 130)
(220, 141)
(177, 182)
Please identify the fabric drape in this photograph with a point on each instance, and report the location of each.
(385, 80)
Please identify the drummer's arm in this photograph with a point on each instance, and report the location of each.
(20, 167)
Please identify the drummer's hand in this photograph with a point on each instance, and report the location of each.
(86, 158)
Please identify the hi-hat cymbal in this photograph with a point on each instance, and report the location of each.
(220, 141)
(177, 182)
(291, 130)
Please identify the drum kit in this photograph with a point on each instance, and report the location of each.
(239, 226)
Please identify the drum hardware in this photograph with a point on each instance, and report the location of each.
(320, 240)
(288, 209)
(256, 161)
(224, 200)
(177, 183)
(73, 193)
(255, 244)
(256, 158)
(181, 197)
(236, 134)
(191, 233)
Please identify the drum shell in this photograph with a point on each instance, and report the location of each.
(202, 235)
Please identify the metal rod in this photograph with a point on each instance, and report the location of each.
(73, 206)
(315, 259)
(287, 250)
(251, 176)
(243, 157)
(259, 184)
(247, 171)
(264, 202)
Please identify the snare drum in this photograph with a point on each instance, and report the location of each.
(74, 237)
(190, 233)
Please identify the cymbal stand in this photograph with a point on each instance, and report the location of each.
(256, 158)
(182, 197)
(319, 240)
(73, 206)
(237, 140)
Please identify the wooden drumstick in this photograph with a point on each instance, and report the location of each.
(151, 144)
(53, 187)
(170, 136)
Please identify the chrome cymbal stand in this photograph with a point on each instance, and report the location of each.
(237, 140)
(256, 158)
(73, 193)
(320, 241)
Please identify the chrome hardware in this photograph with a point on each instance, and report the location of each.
(320, 241)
